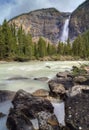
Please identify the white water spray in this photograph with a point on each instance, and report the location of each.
(65, 32)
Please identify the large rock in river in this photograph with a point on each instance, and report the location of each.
(42, 79)
(27, 109)
(41, 93)
(56, 89)
(77, 112)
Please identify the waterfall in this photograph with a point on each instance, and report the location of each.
(65, 32)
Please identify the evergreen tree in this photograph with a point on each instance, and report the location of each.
(8, 39)
(42, 50)
(2, 45)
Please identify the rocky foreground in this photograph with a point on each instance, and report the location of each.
(36, 112)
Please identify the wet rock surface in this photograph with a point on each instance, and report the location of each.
(27, 107)
(18, 78)
(41, 93)
(76, 86)
(77, 112)
(77, 89)
(56, 89)
(65, 78)
(42, 79)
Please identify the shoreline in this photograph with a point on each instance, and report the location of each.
(46, 58)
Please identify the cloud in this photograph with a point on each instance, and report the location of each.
(11, 8)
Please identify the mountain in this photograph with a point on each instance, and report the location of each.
(47, 23)
(79, 21)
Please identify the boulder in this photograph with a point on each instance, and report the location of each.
(85, 82)
(79, 79)
(42, 79)
(77, 112)
(64, 74)
(18, 78)
(17, 120)
(48, 67)
(26, 108)
(57, 89)
(41, 93)
(45, 95)
(65, 78)
(77, 89)
(47, 121)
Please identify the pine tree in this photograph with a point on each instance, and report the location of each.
(8, 39)
(2, 45)
(42, 50)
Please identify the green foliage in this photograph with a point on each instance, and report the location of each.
(42, 48)
(81, 46)
(76, 71)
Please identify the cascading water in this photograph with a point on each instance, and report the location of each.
(65, 32)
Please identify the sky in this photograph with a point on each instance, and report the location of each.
(11, 8)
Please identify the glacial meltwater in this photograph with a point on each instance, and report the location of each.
(15, 76)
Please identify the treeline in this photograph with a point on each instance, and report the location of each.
(81, 45)
(15, 44)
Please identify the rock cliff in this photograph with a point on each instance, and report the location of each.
(47, 23)
(79, 21)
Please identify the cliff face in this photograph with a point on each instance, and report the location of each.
(47, 23)
(79, 21)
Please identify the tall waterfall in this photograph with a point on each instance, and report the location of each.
(65, 32)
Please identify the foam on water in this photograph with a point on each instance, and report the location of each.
(31, 70)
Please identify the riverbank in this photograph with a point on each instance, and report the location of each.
(46, 58)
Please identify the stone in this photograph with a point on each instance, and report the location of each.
(18, 78)
(67, 82)
(41, 93)
(42, 79)
(56, 89)
(26, 109)
(79, 79)
(64, 74)
(77, 112)
(47, 121)
(77, 89)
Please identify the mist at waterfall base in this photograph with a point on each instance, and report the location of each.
(65, 32)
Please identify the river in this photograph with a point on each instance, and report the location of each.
(15, 76)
